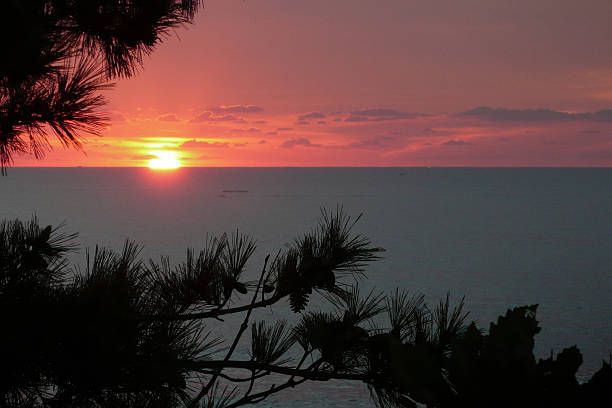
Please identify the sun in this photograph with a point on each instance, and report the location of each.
(164, 161)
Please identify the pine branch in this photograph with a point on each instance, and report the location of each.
(217, 312)
(65, 104)
(260, 396)
(234, 379)
(242, 329)
(270, 343)
(57, 56)
(320, 375)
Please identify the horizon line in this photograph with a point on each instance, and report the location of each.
(323, 167)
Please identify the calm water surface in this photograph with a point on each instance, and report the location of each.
(501, 237)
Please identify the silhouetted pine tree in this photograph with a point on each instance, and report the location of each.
(57, 55)
(125, 333)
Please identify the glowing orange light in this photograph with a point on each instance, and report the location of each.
(164, 161)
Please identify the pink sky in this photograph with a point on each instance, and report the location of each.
(365, 83)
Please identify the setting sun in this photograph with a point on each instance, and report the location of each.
(164, 160)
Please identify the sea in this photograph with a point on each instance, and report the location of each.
(500, 237)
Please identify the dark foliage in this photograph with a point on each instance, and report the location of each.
(57, 55)
(123, 333)
(78, 342)
(320, 256)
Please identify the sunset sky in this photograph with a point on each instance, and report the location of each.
(369, 83)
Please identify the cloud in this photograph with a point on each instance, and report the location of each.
(208, 116)
(321, 122)
(240, 144)
(284, 128)
(227, 118)
(168, 118)
(601, 116)
(144, 157)
(225, 109)
(271, 133)
(533, 115)
(436, 132)
(261, 142)
(194, 144)
(192, 159)
(312, 115)
(302, 122)
(456, 143)
(260, 122)
(378, 142)
(374, 143)
(378, 115)
(249, 130)
(302, 141)
(202, 117)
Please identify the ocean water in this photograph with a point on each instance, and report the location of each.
(500, 237)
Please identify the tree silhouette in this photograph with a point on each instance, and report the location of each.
(58, 55)
(126, 333)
